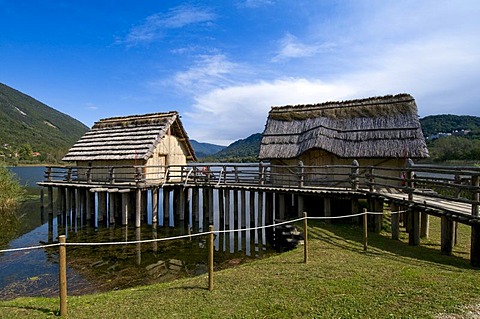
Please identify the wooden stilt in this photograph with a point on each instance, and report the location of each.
(475, 246)
(281, 206)
(166, 207)
(424, 225)
(125, 207)
(102, 206)
(154, 194)
(446, 235)
(395, 222)
(300, 206)
(414, 235)
(195, 209)
(138, 207)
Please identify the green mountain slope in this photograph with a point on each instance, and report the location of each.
(448, 123)
(205, 149)
(31, 131)
(241, 151)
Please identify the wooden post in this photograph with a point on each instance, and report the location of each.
(111, 207)
(125, 208)
(476, 195)
(50, 199)
(414, 235)
(63, 274)
(327, 208)
(300, 205)
(446, 235)
(102, 206)
(211, 250)
(138, 207)
(410, 179)
(395, 222)
(354, 175)
(365, 229)
(424, 225)
(166, 207)
(377, 206)
(475, 246)
(305, 236)
(154, 206)
(281, 206)
(195, 208)
(301, 176)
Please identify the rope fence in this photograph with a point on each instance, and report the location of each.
(62, 244)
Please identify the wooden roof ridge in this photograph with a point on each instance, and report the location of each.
(369, 101)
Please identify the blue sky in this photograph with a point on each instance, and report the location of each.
(223, 64)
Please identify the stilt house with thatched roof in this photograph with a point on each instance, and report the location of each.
(151, 140)
(377, 131)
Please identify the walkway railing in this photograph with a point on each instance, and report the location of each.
(455, 184)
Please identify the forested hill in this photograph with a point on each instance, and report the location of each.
(434, 124)
(31, 131)
(241, 151)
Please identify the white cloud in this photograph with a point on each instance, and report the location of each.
(155, 25)
(207, 72)
(257, 3)
(291, 47)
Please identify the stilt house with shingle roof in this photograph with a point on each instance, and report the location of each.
(377, 131)
(152, 141)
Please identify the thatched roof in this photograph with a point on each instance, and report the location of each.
(377, 127)
(128, 138)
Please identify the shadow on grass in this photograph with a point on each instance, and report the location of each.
(350, 237)
(42, 310)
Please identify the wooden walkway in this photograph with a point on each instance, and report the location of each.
(276, 192)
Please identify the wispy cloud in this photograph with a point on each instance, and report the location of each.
(154, 26)
(208, 71)
(257, 3)
(291, 47)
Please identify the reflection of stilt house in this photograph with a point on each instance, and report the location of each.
(151, 141)
(378, 131)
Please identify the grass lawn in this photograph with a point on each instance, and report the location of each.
(390, 280)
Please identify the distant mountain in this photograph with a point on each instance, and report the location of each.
(244, 150)
(448, 123)
(31, 131)
(205, 149)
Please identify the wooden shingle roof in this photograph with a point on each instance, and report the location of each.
(377, 127)
(128, 138)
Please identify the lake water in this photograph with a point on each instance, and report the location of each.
(100, 268)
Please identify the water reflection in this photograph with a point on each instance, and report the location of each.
(100, 268)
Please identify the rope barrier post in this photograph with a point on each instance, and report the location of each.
(365, 229)
(305, 240)
(63, 275)
(211, 249)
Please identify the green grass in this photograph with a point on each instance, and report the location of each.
(390, 280)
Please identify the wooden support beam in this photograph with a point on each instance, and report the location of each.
(125, 207)
(195, 209)
(281, 206)
(138, 207)
(475, 246)
(154, 194)
(102, 206)
(111, 208)
(446, 235)
(166, 207)
(395, 221)
(300, 206)
(424, 225)
(414, 235)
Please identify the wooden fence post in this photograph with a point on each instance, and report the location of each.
(365, 229)
(301, 174)
(354, 175)
(211, 249)
(305, 236)
(63, 275)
